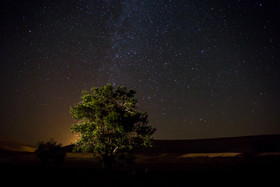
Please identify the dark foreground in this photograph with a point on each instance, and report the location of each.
(24, 169)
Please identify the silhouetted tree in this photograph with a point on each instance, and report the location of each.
(109, 123)
(50, 150)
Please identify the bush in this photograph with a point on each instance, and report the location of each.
(50, 150)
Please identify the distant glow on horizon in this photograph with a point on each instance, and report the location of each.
(210, 155)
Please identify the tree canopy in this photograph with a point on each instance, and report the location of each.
(109, 123)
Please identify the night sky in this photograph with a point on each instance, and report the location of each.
(201, 69)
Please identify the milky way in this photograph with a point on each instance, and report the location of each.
(201, 69)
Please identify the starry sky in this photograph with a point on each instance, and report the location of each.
(201, 69)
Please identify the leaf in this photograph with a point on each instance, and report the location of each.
(108, 119)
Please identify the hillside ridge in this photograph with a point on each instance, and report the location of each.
(242, 144)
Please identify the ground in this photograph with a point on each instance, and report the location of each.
(155, 167)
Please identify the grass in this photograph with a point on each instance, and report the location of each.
(163, 169)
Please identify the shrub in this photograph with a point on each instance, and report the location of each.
(50, 150)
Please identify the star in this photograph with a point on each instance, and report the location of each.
(190, 63)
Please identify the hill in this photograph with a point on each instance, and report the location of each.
(14, 144)
(244, 144)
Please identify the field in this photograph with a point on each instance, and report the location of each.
(221, 162)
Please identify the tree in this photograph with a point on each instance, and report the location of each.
(109, 123)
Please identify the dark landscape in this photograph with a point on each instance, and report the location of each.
(237, 161)
(200, 78)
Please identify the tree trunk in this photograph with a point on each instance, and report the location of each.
(108, 162)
